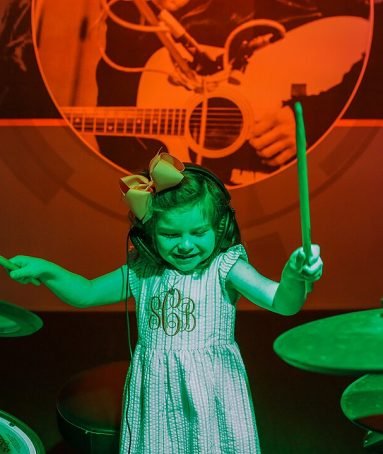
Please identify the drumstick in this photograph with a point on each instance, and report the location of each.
(304, 202)
(11, 266)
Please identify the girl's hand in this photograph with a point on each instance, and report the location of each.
(29, 269)
(305, 269)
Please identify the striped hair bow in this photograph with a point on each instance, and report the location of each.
(165, 171)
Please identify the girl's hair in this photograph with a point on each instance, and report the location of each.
(194, 189)
(198, 187)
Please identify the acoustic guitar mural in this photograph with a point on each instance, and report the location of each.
(211, 122)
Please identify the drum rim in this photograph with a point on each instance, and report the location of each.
(30, 433)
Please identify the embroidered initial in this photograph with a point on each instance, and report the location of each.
(174, 313)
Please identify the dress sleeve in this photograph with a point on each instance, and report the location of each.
(227, 259)
(136, 271)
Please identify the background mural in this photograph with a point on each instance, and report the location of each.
(250, 62)
(76, 117)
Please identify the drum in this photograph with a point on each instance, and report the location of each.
(362, 402)
(89, 408)
(17, 438)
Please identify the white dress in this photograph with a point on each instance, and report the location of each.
(187, 390)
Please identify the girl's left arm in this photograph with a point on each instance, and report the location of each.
(286, 297)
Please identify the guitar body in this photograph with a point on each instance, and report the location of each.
(212, 119)
(317, 54)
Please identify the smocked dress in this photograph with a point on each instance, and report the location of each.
(187, 390)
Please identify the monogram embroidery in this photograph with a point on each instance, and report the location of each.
(172, 312)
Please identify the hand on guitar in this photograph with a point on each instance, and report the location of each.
(273, 137)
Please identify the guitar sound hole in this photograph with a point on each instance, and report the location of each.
(221, 127)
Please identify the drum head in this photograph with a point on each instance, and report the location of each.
(17, 438)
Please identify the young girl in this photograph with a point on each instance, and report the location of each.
(187, 390)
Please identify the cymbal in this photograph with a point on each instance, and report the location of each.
(362, 402)
(342, 344)
(15, 321)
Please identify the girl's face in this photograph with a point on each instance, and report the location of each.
(184, 238)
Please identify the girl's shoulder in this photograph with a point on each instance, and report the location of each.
(224, 261)
(140, 265)
(233, 253)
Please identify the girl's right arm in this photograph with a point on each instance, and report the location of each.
(71, 288)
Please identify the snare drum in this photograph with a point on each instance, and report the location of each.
(17, 438)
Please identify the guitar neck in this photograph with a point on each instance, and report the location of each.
(127, 121)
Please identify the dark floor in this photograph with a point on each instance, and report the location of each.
(298, 412)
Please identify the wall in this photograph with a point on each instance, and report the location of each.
(60, 200)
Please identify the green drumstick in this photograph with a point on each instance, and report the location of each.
(304, 201)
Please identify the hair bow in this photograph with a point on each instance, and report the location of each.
(164, 172)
